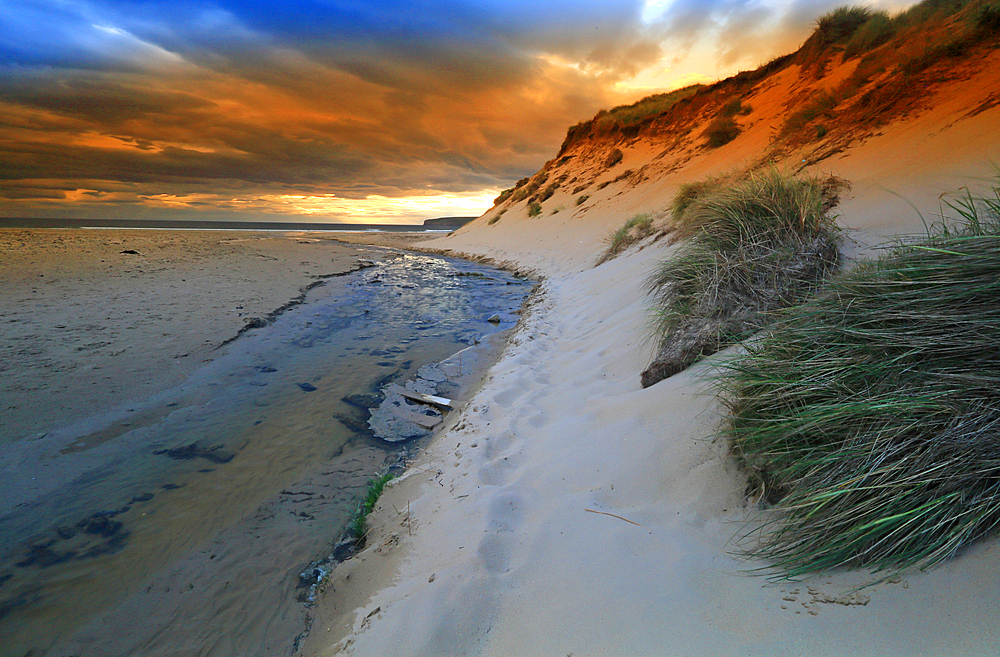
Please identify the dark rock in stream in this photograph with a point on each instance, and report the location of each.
(308, 387)
(214, 454)
(358, 426)
(66, 533)
(145, 497)
(364, 402)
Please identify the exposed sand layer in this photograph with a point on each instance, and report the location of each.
(569, 512)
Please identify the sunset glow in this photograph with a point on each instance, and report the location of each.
(335, 111)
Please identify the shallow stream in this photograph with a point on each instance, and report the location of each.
(187, 520)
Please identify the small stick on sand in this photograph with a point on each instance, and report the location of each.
(605, 513)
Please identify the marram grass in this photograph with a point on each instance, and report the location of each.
(871, 414)
(752, 243)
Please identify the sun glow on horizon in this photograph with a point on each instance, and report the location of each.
(376, 208)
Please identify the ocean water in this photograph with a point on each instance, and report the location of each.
(187, 526)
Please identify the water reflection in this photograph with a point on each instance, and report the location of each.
(239, 476)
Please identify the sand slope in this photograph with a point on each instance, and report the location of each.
(499, 541)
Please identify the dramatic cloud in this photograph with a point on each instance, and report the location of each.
(333, 109)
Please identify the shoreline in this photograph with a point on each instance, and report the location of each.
(569, 510)
(316, 271)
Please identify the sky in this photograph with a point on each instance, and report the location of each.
(336, 111)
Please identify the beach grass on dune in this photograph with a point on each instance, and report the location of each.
(750, 244)
(870, 415)
(633, 230)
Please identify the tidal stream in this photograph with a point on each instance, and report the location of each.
(187, 520)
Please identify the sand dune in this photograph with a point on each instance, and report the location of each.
(566, 511)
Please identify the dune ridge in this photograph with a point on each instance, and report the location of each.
(566, 510)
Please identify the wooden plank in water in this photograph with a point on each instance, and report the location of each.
(420, 397)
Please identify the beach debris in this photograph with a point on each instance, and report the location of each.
(442, 402)
(605, 513)
(129, 252)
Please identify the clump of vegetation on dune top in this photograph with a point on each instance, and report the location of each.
(751, 244)
(870, 415)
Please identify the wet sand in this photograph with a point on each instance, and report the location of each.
(95, 318)
(156, 372)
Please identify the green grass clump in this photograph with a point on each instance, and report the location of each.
(752, 244)
(734, 106)
(504, 195)
(721, 131)
(358, 523)
(875, 31)
(988, 18)
(820, 106)
(534, 209)
(870, 415)
(633, 230)
(841, 23)
(629, 115)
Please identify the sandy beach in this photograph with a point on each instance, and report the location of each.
(185, 423)
(97, 317)
(568, 511)
(561, 509)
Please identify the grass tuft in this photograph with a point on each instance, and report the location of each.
(534, 209)
(752, 244)
(721, 131)
(875, 31)
(635, 229)
(871, 414)
(358, 523)
(841, 23)
(820, 106)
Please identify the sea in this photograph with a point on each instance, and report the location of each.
(444, 224)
